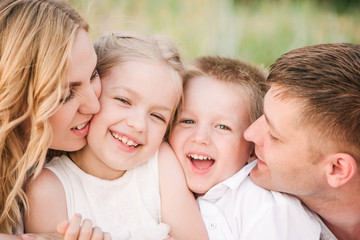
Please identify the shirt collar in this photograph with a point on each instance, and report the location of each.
(230, 184)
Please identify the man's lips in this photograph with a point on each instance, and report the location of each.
(260, 162)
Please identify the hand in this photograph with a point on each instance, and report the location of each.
(74, 230)
(9, 237)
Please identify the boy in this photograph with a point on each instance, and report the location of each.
(222, 97)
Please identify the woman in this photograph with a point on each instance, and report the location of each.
(49, 90)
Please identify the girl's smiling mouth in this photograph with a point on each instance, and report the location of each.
(125, 140)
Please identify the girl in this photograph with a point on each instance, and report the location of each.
(126, 180)
(49, 91)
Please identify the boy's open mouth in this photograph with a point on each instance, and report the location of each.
(201, 162)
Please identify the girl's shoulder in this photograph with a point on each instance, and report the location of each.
(46, 198)
(166, 152)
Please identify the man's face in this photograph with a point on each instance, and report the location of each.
(287, 161)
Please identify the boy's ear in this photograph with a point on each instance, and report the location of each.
(341, 168)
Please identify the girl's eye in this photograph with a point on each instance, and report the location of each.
(68, 97)
(187, 121)
(159, 117)
(94, 74)
(223, 127)
(123, 100)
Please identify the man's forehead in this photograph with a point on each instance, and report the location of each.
(280, 109)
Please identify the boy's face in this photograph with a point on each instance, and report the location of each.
(208, 134)
(133, 117)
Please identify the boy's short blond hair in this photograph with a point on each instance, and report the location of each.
(249, 79)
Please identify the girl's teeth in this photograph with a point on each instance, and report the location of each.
(124, 140)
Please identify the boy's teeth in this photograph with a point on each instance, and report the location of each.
(200, 157)
(124, 140)
(80, 126)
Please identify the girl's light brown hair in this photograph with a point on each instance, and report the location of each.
(118, 48)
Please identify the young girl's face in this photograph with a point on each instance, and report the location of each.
(208, 134)
(137, 102)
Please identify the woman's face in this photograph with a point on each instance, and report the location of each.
(70, 124)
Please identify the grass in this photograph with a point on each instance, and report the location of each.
(254, 31)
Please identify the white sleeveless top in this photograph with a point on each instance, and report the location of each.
(127, 208)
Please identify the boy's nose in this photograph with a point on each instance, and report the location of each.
(201, 136)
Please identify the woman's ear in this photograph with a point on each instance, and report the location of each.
(341, 168)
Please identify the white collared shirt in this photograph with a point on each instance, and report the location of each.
(238, 209)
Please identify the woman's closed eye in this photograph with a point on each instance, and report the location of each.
(94, 75)
(68, 97)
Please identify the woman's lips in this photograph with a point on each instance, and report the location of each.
(81, 130)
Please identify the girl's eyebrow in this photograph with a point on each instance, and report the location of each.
(137, 95)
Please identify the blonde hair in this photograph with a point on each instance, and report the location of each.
(118, 48)
(243, 76)
(36, 38)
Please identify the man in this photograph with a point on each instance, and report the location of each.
(308, 139)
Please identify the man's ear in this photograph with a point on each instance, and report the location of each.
(341, 168)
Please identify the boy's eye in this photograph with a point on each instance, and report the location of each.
(94, 74)
(187, 121)
(223, 127)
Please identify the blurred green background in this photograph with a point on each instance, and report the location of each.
(250, 30)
